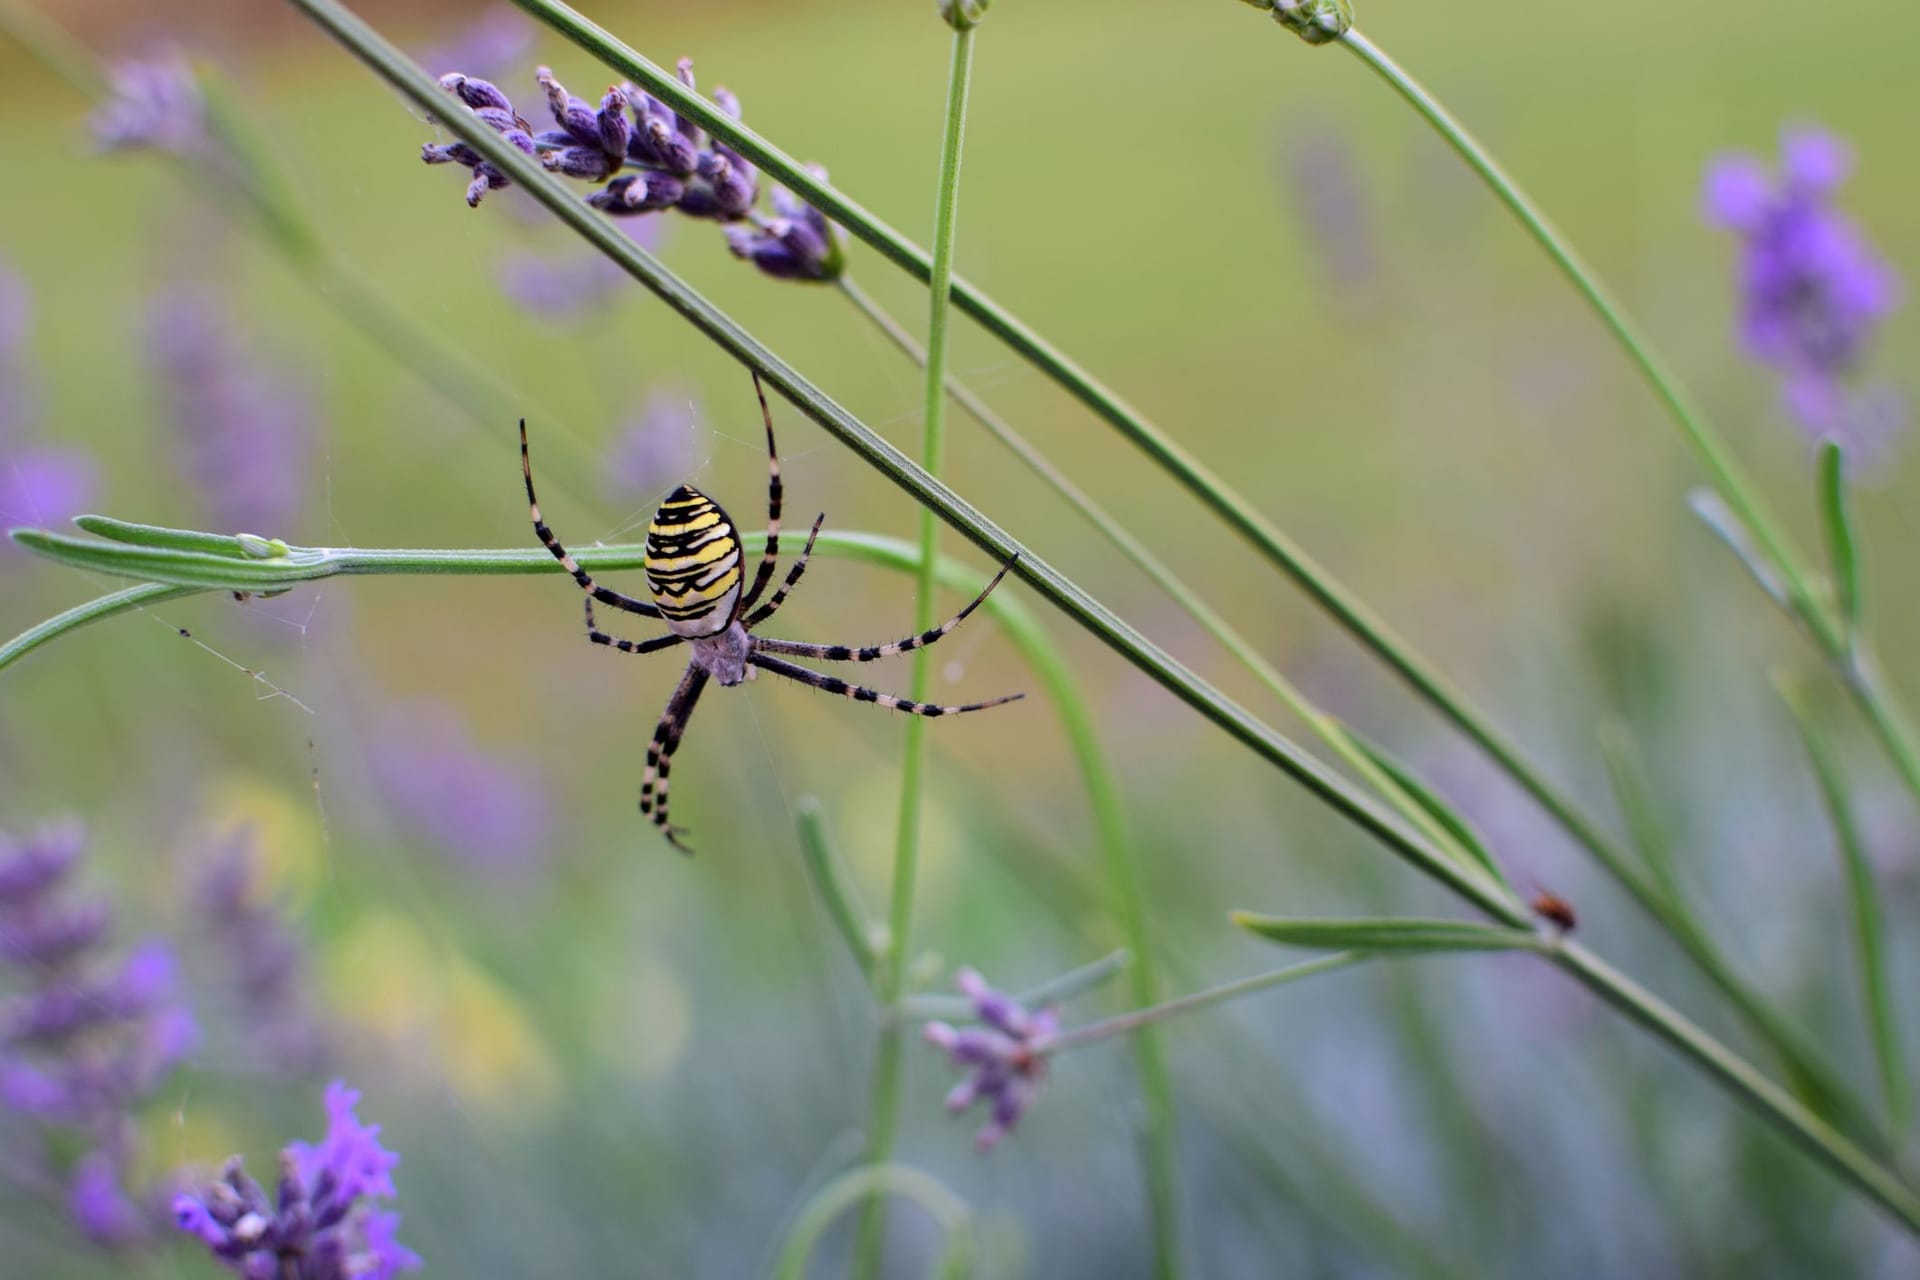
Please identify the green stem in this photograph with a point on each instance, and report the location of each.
(1236, 511)
(1145, 1017)
(1328, 729)
(884, 1104)
(1727, 477)
(92, 611)
(1876, 995)
(1827, 1145)
(211, 571)
(873, 1182)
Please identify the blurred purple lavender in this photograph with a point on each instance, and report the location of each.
(488, 810)
(153, 102)
(41, 485)
(261, 960)
(492, 45)
(1322, 180)
(321, 1225)
(243, 431)
(649, 158)
(573, 288)
(1813, 291)
(81, 1045)
(655, 450)
(1004, 1068)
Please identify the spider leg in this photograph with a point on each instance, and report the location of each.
(779, 598)
(842, 653)
(771, 560)
(666, 740)
(859, 693)
(572, 566)
(653, 645)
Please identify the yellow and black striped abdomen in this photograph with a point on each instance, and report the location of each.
(693, 563)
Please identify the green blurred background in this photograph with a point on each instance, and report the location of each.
(599, 1058)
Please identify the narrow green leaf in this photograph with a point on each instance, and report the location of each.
(1436, 807)
(837, 891)
(856, 1186)
(156, 535)
(1630, 792)
(1387, 934)
(1842, 549)
(1869, 931)
(92, 611)
(1717, 516)
(160, 563)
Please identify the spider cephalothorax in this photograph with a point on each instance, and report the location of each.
(695, 574)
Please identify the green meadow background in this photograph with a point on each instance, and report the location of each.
(600, 1058)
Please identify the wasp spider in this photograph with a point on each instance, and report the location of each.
(693, 568)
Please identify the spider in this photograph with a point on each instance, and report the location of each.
(693, 568)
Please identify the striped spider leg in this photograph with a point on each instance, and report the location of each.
(695, 576)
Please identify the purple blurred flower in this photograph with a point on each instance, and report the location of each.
(1005, 1070)
(261, 960)
(44, 486)
(570, 289)
(243, 430)
(317, 1227)
(655, 450)
(1813, 291)
(81, 1045)
(19, 402)
(155, 103)
(486, 809)
(492, 45)
(1323, 181)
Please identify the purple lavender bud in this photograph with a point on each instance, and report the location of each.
(1004, 1064)
(476, 93)
(320, 1217)
(574, 115)
(726, 100)
(687, 128)
(656, 142)
(637, 193)
(616, 131)
(733, 182)
(152, 103)
(587, 163)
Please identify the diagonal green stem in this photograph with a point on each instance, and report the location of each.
(207, 570)
(1235, 510)
(1725, 472)
(883, 1101)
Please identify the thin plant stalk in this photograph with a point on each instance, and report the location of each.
(179, 558)
(1239, 514)
(867, 1184)
(1890, 721)
(1832, 1148)
(1869, 931)
(884, 1102)
(1135, 1021)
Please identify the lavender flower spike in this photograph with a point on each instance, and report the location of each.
(1005, 1069)
(798, 244)
(486, 101)
(154, 103)
(319, 1226)
(1813, 292)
